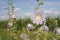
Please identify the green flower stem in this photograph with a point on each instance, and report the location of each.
(37, 36)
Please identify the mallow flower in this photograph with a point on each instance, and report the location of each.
(29, 26)
(38, 17)
(24, 36)
(10, 24)
(44, 28)
(13, 16)
(57, 31)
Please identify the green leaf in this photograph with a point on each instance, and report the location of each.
(40, 3)
(36, 8)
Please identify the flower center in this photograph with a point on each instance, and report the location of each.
(38, 17)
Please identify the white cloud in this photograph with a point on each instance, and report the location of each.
(3, 17)
(56, 12)
(29, 13)
(51, 12)
(17, 9)
(47, 11)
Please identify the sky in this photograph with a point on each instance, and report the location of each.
(26, 7)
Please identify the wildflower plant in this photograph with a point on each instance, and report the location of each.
(35, 30)
(12, 26)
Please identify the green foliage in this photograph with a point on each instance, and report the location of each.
(40, 3)
(50, 22)
(3, 24)
(22, 23)
(37, 8)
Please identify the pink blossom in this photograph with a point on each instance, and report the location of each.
(44, 28)
(24, 36)
(29, 26)
(38, 17)
(13, 16)
(10, 24)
